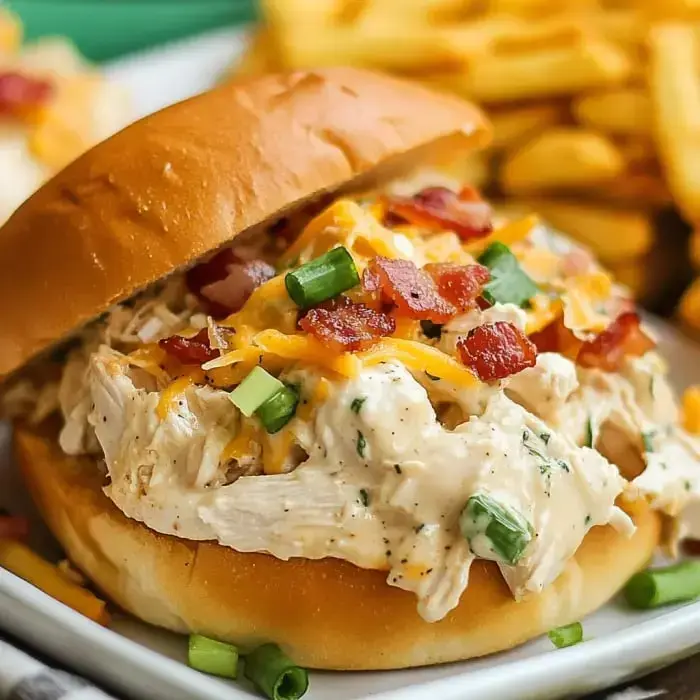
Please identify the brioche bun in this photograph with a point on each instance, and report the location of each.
(325, 613)
(178, 184)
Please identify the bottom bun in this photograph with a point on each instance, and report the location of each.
(326, 614)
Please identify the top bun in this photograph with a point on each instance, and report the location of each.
(176, 185)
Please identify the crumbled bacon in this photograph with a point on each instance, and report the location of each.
(190, 351)
(13, 527)
(20, 93)
(623, 338)
(411, 290)
(344, 326)
(461, 285)
(556, 337)
(441, 209)
(225, 282)
(496, 350)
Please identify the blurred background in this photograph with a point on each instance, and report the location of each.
(595, 103)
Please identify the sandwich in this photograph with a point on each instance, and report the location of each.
(277, 375)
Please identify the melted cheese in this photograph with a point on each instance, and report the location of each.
(420, 358)
(174, 390)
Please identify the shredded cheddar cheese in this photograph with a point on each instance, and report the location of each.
(174, 390)
(306, 349)
(420, 358)
(244, 444)
(691, 410)
(276, 449)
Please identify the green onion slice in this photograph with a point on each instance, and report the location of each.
(566, 636)
(323, 278)
(664, 586)
(278, 409)
(274, 674)
(210, 656)
(254, 391)
(509, 283)
(494, 531)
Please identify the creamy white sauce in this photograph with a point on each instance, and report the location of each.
(382, 488)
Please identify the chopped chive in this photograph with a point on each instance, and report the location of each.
(509, 283)
(493, 530)
(589, 438)
(322, 278)
(356, 405)
(566, 636)
(361, 444)
(364, 497)
(648, 440)
(274, 674)
(254, 390)
(431, 330)
(211, 656)
(279, 409)
(663, 586)
(545, 437)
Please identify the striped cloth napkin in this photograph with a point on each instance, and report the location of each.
(23, 677)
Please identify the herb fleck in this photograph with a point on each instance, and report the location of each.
(545, 438)
(418, 528)
(587, 521)
(361, 444)
(356, 405)
(397, 468)
(364, 497)
(648, 440)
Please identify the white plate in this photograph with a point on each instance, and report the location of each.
(143, 662)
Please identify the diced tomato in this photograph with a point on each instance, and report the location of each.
(496, 350)
(623, 338)
(343, 326)
(190, 351)
(441, 209)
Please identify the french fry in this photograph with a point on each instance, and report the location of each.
(689, 308)
(694, 248)
(615, 235)
(587, 65)
(640, 190)
(675, 92)
(23, 562)
(622, 111)
(639, 154)
(626, 27)
(561, 159)
(382, 12)
(511, 126)
(288, 15)
(258, 57)
(672, 9)
(395, 48)
(538, 8)
(10, 32)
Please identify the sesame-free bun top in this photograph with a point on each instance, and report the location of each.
(178, 184)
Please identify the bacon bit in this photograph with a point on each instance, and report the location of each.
(224, 283)
(21, 93)
(190, 351)
(461, 285)
(556, 337)
(623, 338)
(344, 326)
(496, 350)
(441, 209)
(13, 527)
(412, 291)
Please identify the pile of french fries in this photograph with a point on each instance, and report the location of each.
(595, 103)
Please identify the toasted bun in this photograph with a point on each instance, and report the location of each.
(326, 614)
(178, 184)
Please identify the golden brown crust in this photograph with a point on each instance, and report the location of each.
(178, 184)
(326, 614)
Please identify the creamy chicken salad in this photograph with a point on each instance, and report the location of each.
(402, 382)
